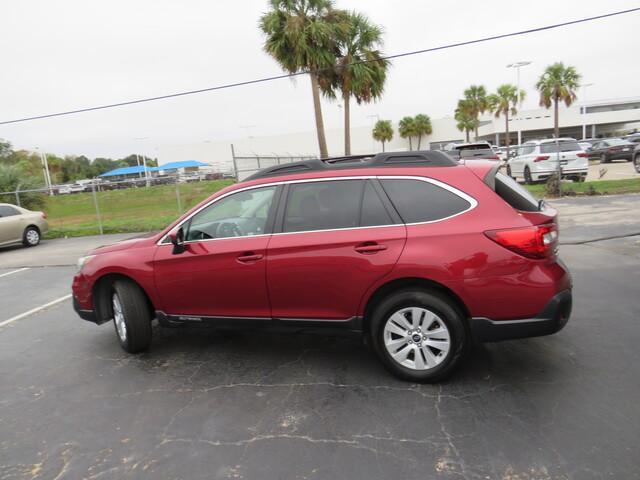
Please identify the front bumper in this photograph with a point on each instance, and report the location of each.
(553, 317)
(89, 315)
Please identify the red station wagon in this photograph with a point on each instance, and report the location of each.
(419, 253)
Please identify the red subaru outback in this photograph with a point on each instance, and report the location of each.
(416, 251)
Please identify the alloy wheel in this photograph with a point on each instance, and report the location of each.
(416, 338)
(118, 318)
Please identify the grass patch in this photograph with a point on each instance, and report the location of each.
(131, 210)
(596, 187)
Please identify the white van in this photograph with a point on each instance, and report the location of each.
(537, 160)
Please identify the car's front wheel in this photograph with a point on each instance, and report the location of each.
(636, 163)
(419, 335)
(31, 237)
(527, 176)
(509, 174)
(603, 159)
(131, 316)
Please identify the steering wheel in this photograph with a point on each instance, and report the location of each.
(228, 229)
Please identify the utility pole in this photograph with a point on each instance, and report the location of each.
(517, 66)
(45, 167)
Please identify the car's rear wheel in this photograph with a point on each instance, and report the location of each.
(636, 163)
(527, 176)
(31, 237)
(419, 335)
(603, 158)
(131, 316)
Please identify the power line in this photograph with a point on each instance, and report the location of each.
(291, 75)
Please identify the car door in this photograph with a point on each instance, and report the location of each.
(10, 224)
(221, 273)
(334, 238)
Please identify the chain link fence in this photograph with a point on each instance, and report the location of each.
(97, 207)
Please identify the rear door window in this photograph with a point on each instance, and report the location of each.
(7, 211)
(323, 205)
(373, 211)
(420, 201)
(515, 195)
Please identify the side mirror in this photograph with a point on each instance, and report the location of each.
(177, 239)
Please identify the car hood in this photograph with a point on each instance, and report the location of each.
(133, 242)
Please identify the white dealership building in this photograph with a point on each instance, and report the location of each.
(593, 119)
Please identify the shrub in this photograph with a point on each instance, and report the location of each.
(12, 179)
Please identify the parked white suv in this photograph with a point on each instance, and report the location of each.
(538, 159)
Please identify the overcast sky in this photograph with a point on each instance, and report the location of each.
(70, 54)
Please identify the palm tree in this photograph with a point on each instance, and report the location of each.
(422, 125)
(407, 129)
(383, 132)
(465, 121)
(303, 35)
(558, 84)
(476, 101)
(360, 71)
(504, 102)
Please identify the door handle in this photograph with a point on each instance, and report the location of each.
(249, 257)
(370, 248)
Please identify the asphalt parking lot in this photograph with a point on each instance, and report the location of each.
(202, 404)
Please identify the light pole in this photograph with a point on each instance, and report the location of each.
(583, 108)
(45, 168)
(517, 66)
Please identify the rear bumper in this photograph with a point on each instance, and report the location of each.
(553, 317)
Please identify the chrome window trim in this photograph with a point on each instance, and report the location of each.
(473, 203)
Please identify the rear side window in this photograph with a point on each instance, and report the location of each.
(565, 146)
(419, 201)
(515, 195)
(7, 211)
(526, 149)
(323, 205)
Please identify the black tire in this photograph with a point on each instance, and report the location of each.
(579, 179)
(137, 316)
(527, 176)
(31, 236)
(603, 158)
(447, 313)
(509, 171)
(636, 163)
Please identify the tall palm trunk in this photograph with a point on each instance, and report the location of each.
(383, 146)
(419, 140)
(467, 135)
(322, 140)
(410, 143)
(476, 128)
(555, 117)
(347, 122)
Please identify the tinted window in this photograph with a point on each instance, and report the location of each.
(323, 205)
(373, 211)
(565, 146)
(7, 211)
(238, 215)
(420, 201)
(514, 194)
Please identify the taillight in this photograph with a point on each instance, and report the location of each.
(44, 215)
(614, 149)
(582, 154)
(540, 158)
(532, 242)
(495, 157)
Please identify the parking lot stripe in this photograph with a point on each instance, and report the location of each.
(35, 310)
(14, 271)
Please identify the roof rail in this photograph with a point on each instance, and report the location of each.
(425, 158)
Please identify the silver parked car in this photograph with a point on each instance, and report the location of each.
(19, 225)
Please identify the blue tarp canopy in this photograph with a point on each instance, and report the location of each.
(125, 171)
(182, 164)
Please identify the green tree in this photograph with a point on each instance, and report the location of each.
(5, 148)
(407, 129)
(383, 132)
(360, 69)
(422, 125)
(505, 102)
(477, 103)
(464, 119)
(304, 35)
(558, 84)
(12, 179)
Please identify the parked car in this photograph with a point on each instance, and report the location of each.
(417, 252)
(585, 146)
(537, 160)
(471, 151)
(611, 149)
(19, 225)
(636, 158)
(633, 138)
